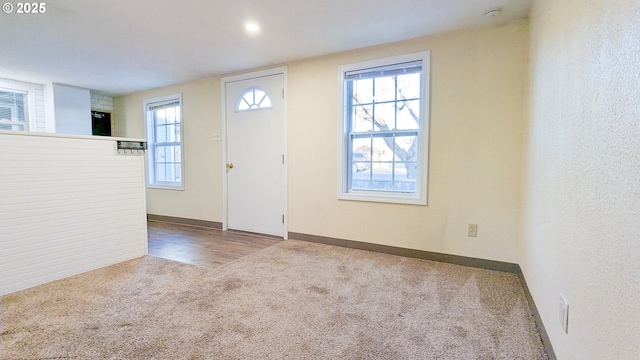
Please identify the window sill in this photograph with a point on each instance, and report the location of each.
(165, 187)
(383, 197)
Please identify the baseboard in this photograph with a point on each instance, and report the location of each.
(184, 221)
(536, 315)
(445, 258)
(418, 254)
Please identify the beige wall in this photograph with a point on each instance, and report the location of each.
(202, 195)
(582, 193)
(477, 121)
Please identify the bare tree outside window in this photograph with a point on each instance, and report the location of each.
(384, 127)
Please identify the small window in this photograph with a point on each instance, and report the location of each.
(164, 139)
(13, 113)
(384, 130)
(254, 99)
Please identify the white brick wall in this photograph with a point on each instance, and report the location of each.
(101, 102)
(67, 205)
(40, 117)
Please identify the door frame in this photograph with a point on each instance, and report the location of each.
(223, 87)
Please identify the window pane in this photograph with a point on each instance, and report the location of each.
(178, 153)
(361, 157)
(161, 134)
(385, 89)
(248, 98)
(171, 114)
(408, 115)
(160, 116)
(384, 115)
(407, 152)
(362, 145)
(178, 173)
(159, 155)
(266, 102)
(177, 131)
(406, 148)
(409, 86)
(360, 180)
(401, 181)
(361, 118)
(170, 154)
(382, 176)
(363, 91)
(160, 172)
(383, 148)
(259, 96)
(171, 133)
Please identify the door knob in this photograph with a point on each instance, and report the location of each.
(230, 166)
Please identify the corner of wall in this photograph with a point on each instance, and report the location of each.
(50, 108)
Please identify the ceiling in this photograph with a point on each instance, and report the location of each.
(122, 46)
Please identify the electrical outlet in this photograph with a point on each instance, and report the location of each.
(473, 230)
(563, 314)
(215, 137)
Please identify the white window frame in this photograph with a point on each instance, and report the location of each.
(149, 132)
(30, 106)
(420, 196)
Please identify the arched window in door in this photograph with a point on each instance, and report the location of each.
(253, 99)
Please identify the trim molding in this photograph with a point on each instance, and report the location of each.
(418, 254)
(184, 221)
(445, 258)
(536, 315)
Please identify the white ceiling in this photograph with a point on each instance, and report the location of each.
(122, 46)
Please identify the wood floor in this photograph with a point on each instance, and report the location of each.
(202, 246)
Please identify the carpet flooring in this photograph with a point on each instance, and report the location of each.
(294, 300)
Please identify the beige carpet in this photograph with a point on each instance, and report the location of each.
(295, 300)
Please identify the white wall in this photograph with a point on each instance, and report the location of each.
(477, 121)
(72, 110)
(35, 101)
(581, 218)
(67, 205)
(49, 108)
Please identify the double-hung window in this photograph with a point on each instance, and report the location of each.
(13, 110)
(164, 139)
(384, 130)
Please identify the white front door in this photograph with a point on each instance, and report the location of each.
(255, 116)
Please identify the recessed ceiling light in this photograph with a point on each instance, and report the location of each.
(252, 27)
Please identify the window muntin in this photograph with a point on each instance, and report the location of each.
(164, 136)
(13, 110)
(253, 99)
(384, 130)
